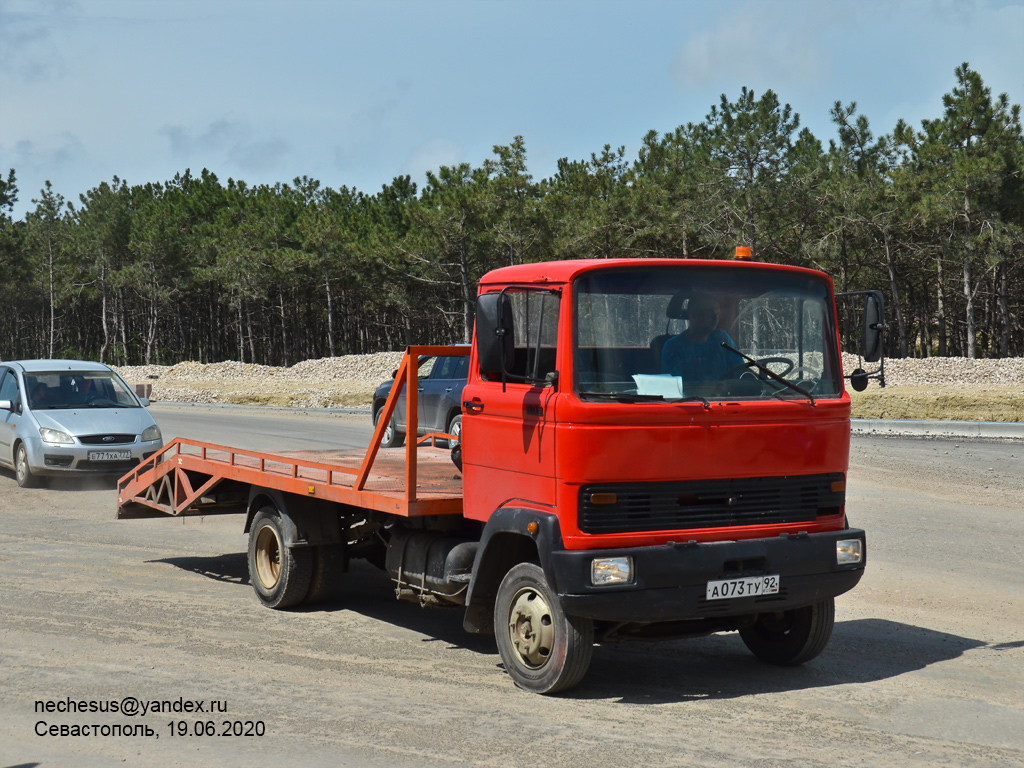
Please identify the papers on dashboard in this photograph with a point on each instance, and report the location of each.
(666, 385)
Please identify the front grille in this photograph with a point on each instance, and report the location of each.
(118, 439)
(120, 467)
(696, 504)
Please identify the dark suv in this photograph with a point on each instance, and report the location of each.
(441, 381)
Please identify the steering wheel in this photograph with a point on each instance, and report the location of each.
(808, 373)
(777, 360)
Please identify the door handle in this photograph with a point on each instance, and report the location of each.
(471, 407)
(448, 389)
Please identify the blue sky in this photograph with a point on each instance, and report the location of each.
(355, 93)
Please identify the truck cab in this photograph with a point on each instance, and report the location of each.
(666, 442)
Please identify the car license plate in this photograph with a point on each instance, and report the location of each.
(109, 455)
(749, 586)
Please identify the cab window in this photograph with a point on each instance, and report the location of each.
(9, 388)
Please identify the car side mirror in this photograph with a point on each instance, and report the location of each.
(874, 326)
(6, 405)
(495, 339)
(144, 401)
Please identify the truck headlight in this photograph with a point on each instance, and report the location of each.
(151, 433)
(611, 570)
(849, 551)
(55, 436)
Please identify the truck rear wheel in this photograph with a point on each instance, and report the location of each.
(280, 574)
(543, 649)
(329, 563)
(792, 637)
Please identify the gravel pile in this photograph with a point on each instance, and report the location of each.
(350, 380)
(955, 372)
(326, 383)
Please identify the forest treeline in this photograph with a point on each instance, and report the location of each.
(197, 269)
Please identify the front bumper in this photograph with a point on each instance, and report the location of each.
(670, 581)
(51, 460)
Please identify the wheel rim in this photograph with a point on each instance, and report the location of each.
(268, 557)
(531, 629)
(22, 464)
(389, 432)
(456, 433)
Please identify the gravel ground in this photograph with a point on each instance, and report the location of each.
(350, 380)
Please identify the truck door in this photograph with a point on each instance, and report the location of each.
(509, 451)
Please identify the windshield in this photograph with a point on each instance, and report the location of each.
(672, 333)
(78, 389)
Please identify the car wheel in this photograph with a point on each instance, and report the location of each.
(455, 430)
(393, 437)
(22, 470)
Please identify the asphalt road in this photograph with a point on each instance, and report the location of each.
(925, 668)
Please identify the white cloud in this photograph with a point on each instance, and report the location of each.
(756, 45)
(431, 155)
(230, 141)
(27, 43)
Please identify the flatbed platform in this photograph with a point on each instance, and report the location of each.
(184, 478)
(188, 477)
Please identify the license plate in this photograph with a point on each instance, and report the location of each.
(109, 455)
(749, 586)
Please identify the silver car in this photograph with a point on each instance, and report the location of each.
(71, 417)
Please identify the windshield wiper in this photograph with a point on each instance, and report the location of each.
(771, 374)
(621, 397)
(626, 398)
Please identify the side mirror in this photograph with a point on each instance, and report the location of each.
(859, 380)
(874, 327)
(6, 405)
(495, 340)
(144, 401)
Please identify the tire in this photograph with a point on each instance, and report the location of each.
(393, 437)
(329, 565)
(455, 430)
(791, 637)
(550, 660)
(279, 574)
(22, 471)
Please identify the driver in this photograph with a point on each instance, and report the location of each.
(86, 391)
(697, 353)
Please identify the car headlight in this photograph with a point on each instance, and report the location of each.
(151, 433)
(55, 436)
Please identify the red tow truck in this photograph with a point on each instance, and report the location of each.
(650, 448)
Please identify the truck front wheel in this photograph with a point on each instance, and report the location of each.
(280, 574)
(792, 637)
(543, 649)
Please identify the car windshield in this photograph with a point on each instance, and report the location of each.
(78, 389)
(668, 333)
